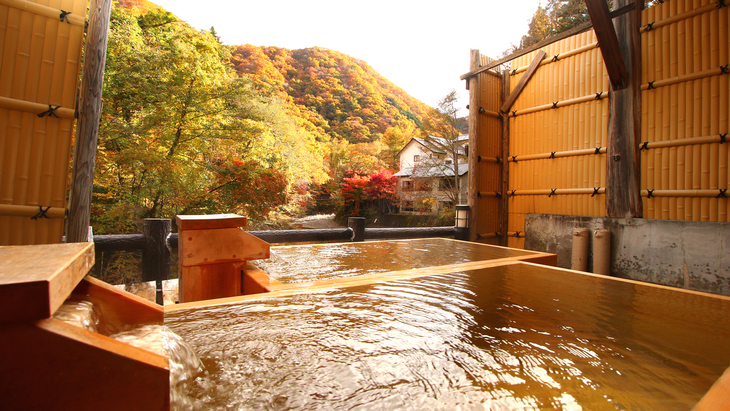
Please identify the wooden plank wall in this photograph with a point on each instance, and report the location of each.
(674, 108)
(39, 64)
(490, 136)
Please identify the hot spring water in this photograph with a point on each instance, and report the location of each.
(293, 264)
(184, 364)
(504, 337)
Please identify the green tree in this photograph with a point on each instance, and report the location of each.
(556, 17)
(442, 126)
(394, 139)
(175, 121)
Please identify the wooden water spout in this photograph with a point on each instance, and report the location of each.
(46, 363)
(213, 252)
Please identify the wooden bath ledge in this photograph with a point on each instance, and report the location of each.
(35, 280)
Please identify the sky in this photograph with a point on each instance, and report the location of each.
(422, 47)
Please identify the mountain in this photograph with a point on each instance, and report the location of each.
(342, 95)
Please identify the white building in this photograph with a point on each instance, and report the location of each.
(426, 175)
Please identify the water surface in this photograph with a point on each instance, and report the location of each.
(513, 337)
(292, 264)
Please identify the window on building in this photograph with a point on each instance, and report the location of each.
(408, 206)
(416, 158)
(424, 185)
(448, 161)
(407, 185)
(445, 184)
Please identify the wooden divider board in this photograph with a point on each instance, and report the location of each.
(36, 280)
(272, 288)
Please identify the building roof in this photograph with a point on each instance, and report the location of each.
(443, 170)
(438, 140)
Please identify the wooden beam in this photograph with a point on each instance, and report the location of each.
(623, 195)
(560, 36)
(608, 43)
(473, 189)
(523, 81)
(504, 201)
(87, 129)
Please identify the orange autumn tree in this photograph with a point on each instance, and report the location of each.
(363, 195)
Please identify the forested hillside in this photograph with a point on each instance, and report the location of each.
(192, 126)
(344, 95)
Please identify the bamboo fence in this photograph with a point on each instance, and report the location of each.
(40, 51)
(489, 133)
(558, 125)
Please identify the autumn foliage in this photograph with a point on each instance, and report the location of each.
(361, 195)
(193, 126)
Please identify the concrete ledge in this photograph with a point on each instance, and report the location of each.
(684, 254)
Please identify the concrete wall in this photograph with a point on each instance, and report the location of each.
(685, 254)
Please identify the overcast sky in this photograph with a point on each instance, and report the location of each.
(423, 47)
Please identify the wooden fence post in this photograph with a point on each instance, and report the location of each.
(504, 201)
(357, 224)
(155, 255)
(87, 128)
(473, 154)
(623, 196)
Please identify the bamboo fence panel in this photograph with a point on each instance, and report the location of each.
(555, 129)
(39, 71)
(685, 99)
(490, 174)
(561, 118)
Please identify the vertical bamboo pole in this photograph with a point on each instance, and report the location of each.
(88, 125)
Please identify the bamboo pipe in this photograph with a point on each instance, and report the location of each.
(661, 23)
(36, 108)
(45, 11)
(579, 252)
(488, 113)
(30, 211)
(557, 154)
(687, 77)
(684, 193)
(678, 142)
(551, 59)
(598, 96)
(561, 191)
(602, 252)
